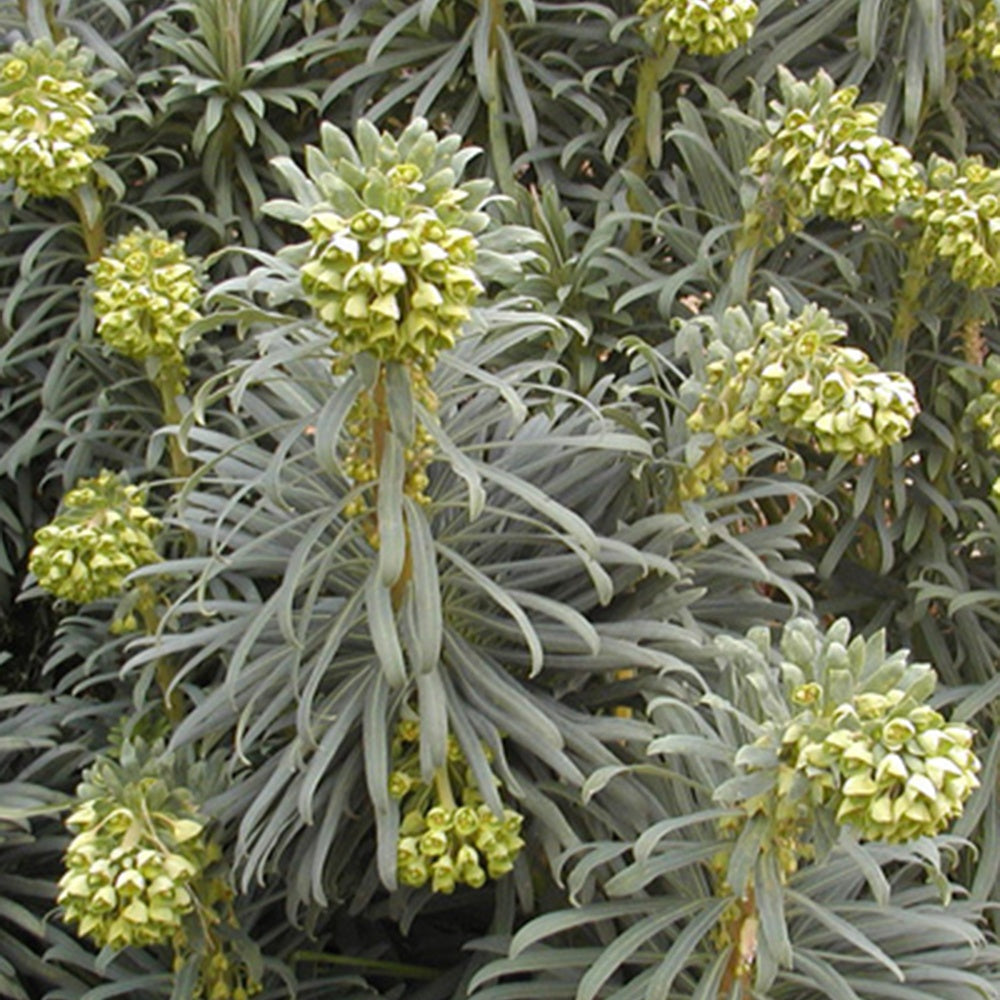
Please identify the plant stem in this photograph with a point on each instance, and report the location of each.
(499, 144)
(380, 427)
(907, 304)
(653, 69)
(165, 670)
(374, 966)
(442, 785)
(94, 238)
(170, 385)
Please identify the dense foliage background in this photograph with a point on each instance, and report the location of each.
(507, 559)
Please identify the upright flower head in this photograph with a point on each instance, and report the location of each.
(771, 371)
(701, 27)
(138, 850)
(146, 288)
(101, 535)
(391, 269)
(142, 870)
(47, 117)
(853, 735)
(825, 156)
(960, 217)
(980, 40)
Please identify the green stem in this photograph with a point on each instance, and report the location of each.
(372, 965)
(166, 672)
(55, 30)
(233, 45)
(499, 144)
(442, 785)
(170, 384)
(907, 305)
(94, 237)
(653, 69)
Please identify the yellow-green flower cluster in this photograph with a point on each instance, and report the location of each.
(131, 868)
(896, 774)
(861, 734)
(960, 217)
(141, 870)
(101, 535)
(444, 840)
(787, 375)
(701, 27)
(983, 413)
(825, 156)
(47, 117)
(146, 289)
(391, 270)
(980, 41)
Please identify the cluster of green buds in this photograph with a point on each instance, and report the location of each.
(959, 215)
(856, 737)
(48, 106)
(980, 41)
(824, 156)
(444, 840)
(766, 370)
(701, 27)
(146, 290)
(132, 868)
(391, 269)
(102, 534)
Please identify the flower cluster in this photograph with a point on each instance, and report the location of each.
(860, 734)
(131, 868)
(983, 413)
(768, 370)
(141, 870)
(701, 27)
(47, 111)
(391, 267)
(960, 219)
(441, 840)
(980, 41)
(102, 534)
(146, 288)
(824, 156)
(896, 774)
